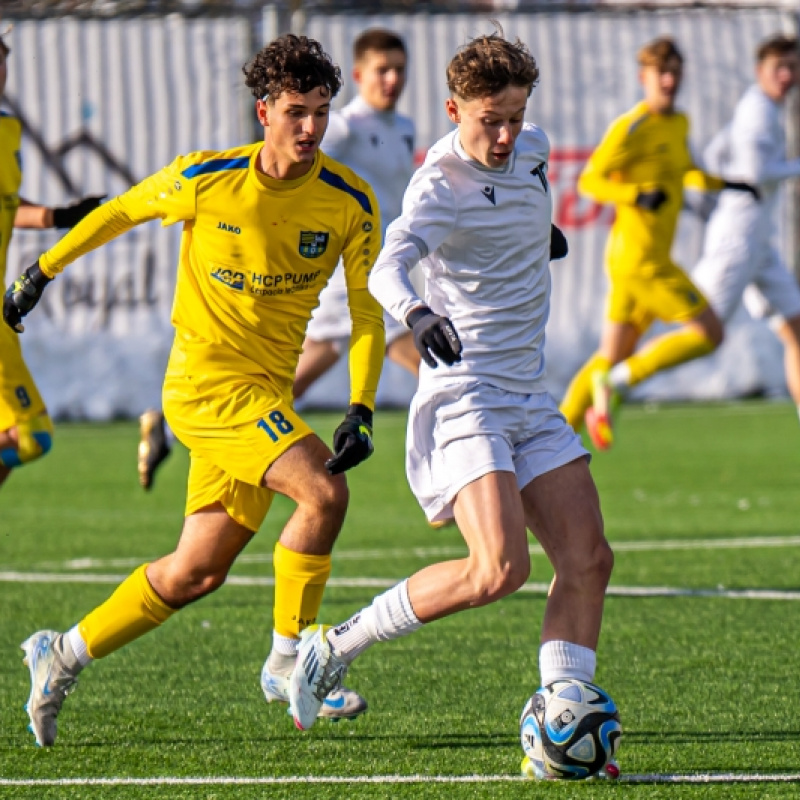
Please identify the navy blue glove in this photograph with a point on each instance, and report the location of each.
(352, 440)
(67, 216)
(558, 243)
(651, 201)
(23, 295)
(434, 336)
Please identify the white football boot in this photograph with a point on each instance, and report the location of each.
(316, 676)
(54, 670)
(342, 703)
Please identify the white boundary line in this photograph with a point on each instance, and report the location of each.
(694, 778)
(385, 583)
(392, 554)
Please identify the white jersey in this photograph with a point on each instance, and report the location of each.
(751, 148)
(379, 147)
(482, 239)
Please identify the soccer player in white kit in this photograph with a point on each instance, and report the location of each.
(740, 258)
(377, 142)
(486, 442)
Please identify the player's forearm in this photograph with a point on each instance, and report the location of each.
(367, 347)
(389, 281)
(32, 215)
(597, 186)
(776, 171)
(702, 181)
(102, 225)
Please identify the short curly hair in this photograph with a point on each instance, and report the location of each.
(291, 64)
(488, 64)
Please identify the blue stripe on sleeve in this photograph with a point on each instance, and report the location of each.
(338, 182)
(216, 165)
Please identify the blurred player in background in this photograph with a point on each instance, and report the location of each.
(486, 442)
(25, 427)
(641, 166)
(377, 143)
(264, 226)
(740, 255)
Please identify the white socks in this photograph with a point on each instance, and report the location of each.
(390, 616)
(559, 659)
(285, 645)
(79, 646)
(620, 377)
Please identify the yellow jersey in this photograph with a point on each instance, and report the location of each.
(642, 151)
(10, 181)
(255, 254)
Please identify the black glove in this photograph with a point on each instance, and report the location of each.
(23, 295)
(434, 336)
(352, 440)
(558, 243)
(67, 216)
(652, 200)
(741, 186)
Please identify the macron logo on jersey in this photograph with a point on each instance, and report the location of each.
(233, 280)
(488, 193)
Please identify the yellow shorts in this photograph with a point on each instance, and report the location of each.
(234, 427)
(654, 291)
(20, 400)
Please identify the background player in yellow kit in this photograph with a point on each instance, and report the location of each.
(25, 427)
(642, 165)
(264, 226)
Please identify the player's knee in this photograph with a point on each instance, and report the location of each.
(590, 568)
(329, 496)
(34, 439)
(490, 582)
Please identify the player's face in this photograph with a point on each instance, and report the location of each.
(661, 84)
(381, 78)
(777, 74)
(489, 126)
(294, 125)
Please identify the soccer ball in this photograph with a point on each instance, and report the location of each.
(570, 729)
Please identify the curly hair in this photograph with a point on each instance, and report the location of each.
(291, 64)
(488, 64)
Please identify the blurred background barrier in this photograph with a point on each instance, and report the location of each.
(107, 99)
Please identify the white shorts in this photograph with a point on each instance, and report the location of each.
(461, 431)
(330, 321)
(756, 274)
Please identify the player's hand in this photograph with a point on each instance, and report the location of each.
(741, 186)
(67, 216)
(434, 336)
(558, 243)
(652, 200)
(23, 295)
(352, 440)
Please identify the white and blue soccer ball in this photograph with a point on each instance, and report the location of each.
(569, 730)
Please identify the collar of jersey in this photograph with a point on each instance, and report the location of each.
(361, 106)
(282, 187)
(462, 154)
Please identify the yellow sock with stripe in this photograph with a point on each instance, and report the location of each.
(579, 393)
(299, 585)
(668, 351)
(133, 610)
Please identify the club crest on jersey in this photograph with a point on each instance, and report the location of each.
(313, 243)
(231, 278)
(488, 193)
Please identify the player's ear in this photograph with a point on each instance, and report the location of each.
(357, 73)
(262, 113)
(451, 107)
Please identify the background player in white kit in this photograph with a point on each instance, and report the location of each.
(740, 256)
(371, 138)
(486, 442)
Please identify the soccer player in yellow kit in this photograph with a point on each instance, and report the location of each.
(642, 165)
(26, 430)
(263, 228)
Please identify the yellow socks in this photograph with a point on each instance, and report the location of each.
(579, 393)
(299, 584)
(133, 610)
(668, 351)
